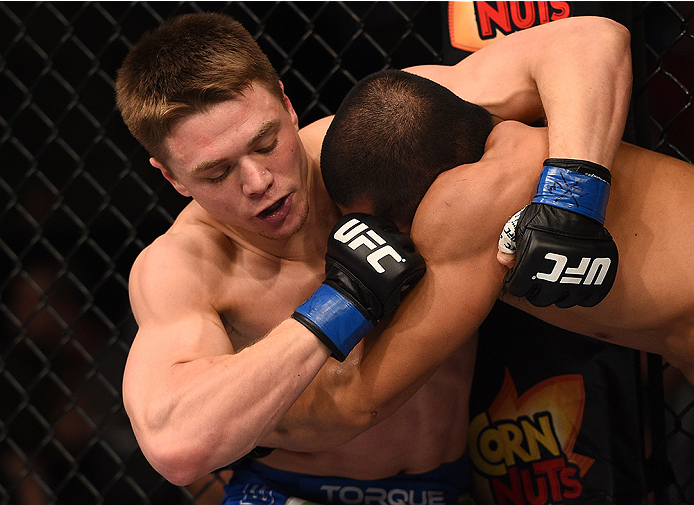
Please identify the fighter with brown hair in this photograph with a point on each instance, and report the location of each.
(218, 359)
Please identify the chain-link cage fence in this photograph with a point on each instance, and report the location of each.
(81, 201)
(667, 84)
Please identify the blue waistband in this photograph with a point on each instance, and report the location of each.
(260, 484)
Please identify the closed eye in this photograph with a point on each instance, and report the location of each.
(220, 177)
(268, 149)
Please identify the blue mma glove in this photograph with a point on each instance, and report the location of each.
(565, 256)
(368, 265)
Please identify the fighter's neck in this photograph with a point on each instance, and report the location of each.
(307, 244)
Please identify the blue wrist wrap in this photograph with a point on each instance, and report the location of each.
(336, 317)
(573, 191)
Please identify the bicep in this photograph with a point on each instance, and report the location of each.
(445, 309)
(441, 314)
(462, 282)
(176, 324)
(170, 297)
(506, 77)
(494, 78)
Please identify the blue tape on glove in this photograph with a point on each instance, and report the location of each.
(336, 317)
(573, 191)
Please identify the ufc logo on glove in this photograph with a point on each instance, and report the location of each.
(358, 291)
(563, 224)
(596, 275)
(354, 233)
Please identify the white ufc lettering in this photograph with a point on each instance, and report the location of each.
(575, 275)
(356, 234)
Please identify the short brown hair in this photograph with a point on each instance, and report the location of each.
(392, 135)
(183, 67)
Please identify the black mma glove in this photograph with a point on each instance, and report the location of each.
(564, 254)
(368, 264)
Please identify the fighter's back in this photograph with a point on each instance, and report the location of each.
(651, 305)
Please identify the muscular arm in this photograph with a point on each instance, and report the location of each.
(438, 317)
(179, 385)
(396, 360)
(456, 230)
(578, 73)
(434, 320)
(575, 71)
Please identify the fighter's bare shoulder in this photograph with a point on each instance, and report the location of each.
(312, 136)
(184, 263)
(469, 204)
(448, 222)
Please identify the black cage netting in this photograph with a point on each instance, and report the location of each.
(81, 201)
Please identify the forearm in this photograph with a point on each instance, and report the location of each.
(436, 322)
(576, 73)
(199, 415)
(394, 362)
(584, 83)
(346, 400)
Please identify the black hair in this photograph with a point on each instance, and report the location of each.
(392, 135)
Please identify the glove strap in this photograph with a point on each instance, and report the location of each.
(571, 190)
(581, 166)
(334, 320)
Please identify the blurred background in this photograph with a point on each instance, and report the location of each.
(79, 200)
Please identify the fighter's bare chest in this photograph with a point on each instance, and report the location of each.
(256, 301)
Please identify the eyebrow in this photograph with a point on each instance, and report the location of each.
(264, 129)
(206, 165)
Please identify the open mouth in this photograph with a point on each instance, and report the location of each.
(273, 208)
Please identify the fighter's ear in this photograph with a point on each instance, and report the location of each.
(290, 108)
(169, 177)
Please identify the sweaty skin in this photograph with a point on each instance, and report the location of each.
(217, 362)
(456, 228)
(268, 285)
(651, 305)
